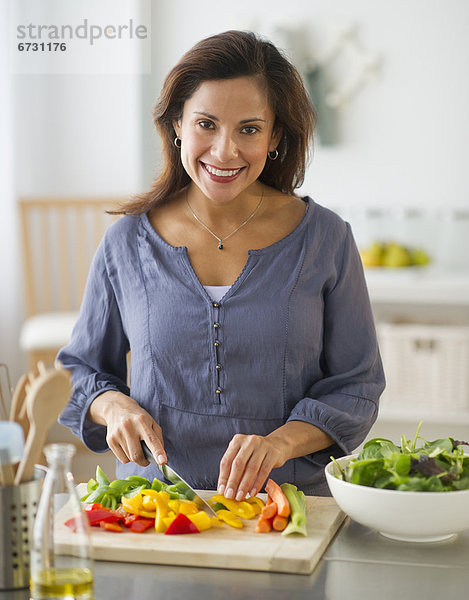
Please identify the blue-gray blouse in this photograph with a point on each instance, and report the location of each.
(292, 339)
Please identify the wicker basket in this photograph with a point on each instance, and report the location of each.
(426, 366)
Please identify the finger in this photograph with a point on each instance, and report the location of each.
(261, 477)
(226, 463)
(135, 452)
(152, 437)
(156, 446)
(242, 465)
(118, 451)
(249, 474)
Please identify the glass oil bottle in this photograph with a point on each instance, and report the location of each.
(55, 573)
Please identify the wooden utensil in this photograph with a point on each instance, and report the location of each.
(18, 405)
(3, 405)
(18, 412)
(47, 396)
(7, 473)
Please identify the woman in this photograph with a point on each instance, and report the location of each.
(253, 349)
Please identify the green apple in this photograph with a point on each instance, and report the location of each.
(419, 257)
(371, 257)
(396, 256)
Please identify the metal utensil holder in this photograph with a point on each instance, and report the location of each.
(18, 507)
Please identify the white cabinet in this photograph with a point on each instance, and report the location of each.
(422, 318)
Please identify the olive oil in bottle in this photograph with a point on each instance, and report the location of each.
(55, 575)
(63, 583)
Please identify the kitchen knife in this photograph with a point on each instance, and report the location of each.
(176, 479)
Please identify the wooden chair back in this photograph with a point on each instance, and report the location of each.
(60, 237)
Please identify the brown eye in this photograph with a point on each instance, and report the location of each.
(250, 130)
(206, 124)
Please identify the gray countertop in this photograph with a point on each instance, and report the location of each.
(359, 564)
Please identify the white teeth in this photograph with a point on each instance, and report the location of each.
(220, 173)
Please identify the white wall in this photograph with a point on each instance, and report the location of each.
(78, 134)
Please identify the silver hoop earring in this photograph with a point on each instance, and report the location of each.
(177, 142)
(273, 154)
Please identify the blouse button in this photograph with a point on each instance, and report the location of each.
(218, 391)
(218, 367)
(216, 305)
(216, 343)
(216, 325)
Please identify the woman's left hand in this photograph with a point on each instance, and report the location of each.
(246, 465)
(249, 459)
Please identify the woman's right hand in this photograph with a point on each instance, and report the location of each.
(127, 425)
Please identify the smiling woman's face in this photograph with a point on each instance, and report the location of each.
(226, 132)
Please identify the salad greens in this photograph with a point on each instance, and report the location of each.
(437, 466)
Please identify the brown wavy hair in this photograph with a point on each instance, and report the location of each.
(226, 56)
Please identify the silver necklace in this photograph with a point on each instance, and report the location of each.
(221, 240)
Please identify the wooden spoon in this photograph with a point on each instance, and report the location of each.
(45, 400)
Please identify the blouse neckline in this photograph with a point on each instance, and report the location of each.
(295, 231)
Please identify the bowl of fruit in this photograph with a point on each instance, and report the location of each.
(417, 491)
(392, 255)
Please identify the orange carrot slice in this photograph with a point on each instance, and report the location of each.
(263, 525)
(279, 523)
(269, 510)
(277, 495)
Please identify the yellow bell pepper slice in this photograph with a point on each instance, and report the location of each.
(174, 505)
(154, 494)
(161, 512)
(256, 503)
(230, 519)
(169, 519)
(216, 522)
(132, 504)
(187, 507)
(201, 520)
(136, 509)
(149, 503)
(241, 508)
(149, 492)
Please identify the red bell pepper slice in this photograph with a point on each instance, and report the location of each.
(111, 526)
(141, 525)
(72, 524)
(130, 518)
(181, 524)
(98, 515)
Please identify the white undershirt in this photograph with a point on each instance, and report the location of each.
(216, 292)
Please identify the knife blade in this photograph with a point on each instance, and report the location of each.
(172, 476)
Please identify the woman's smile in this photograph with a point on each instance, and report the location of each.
(221, 175)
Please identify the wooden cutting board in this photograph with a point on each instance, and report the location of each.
(220, 547)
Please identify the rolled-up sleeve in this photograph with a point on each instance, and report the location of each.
(344, 402)
(96, 354)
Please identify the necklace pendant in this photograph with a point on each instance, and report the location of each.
(220, 246)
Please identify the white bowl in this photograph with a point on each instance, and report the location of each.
(401, 515)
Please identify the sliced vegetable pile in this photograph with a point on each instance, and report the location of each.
(437, 466)
(139, 505)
